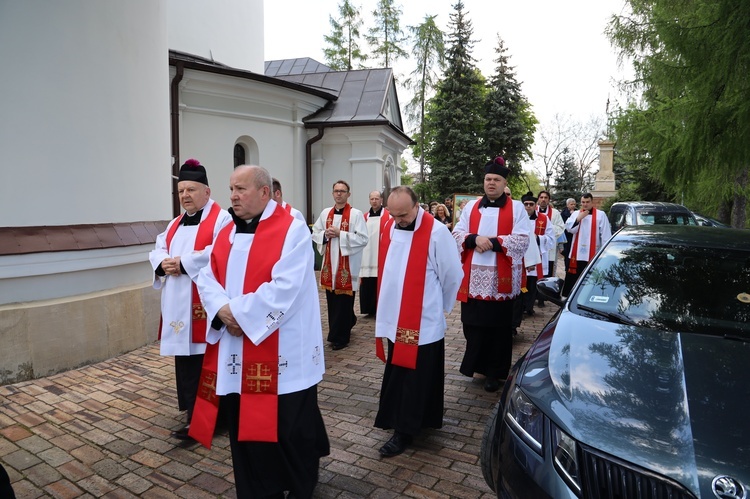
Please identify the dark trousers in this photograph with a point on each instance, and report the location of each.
(489, 340)
(368, 295)
(529, 297)
(341, 317)
(571, 279)
(187, 369)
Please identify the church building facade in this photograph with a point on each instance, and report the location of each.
(101, 103)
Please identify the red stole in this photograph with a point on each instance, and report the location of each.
(288, 208)
(343, 272)
(504, 266)
(573, 267)
(540, 227)
(203, 238)
(410, 314)
(260, 364)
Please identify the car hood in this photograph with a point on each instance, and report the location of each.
(677, 404)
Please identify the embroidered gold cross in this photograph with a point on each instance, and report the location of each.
(344, 225)
(208, 387)
(198, 311)
(177, 326)
(407, 336)
(259, 378)
(539, 226)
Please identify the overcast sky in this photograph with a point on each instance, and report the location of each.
(562, 59)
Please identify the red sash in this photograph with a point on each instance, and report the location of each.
(343, 272)
(288, 208)
(540, 227)
(573, 267)
(504, 266)
(410, 314)
(260, 364)
(203, 238)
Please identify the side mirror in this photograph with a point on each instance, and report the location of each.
(551, 288)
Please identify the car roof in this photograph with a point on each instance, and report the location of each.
(690, 235)
(653, 206)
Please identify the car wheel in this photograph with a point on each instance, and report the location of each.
(489, 445)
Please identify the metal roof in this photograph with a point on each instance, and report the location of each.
(365, 96)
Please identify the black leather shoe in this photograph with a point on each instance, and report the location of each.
(338, 346)
(396, 445)
(491, 385)
(182, 433)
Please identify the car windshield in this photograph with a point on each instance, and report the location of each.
(670, 288)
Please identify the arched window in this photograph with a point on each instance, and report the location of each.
(239, 155)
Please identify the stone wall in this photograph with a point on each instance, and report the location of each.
(46, 337)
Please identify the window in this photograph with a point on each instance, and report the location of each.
(239, 155)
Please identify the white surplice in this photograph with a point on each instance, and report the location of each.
(350, 242)
(547, 245)
(582, 231)
(176, 295)
(369, 267)
(294, 212)
(289, 303)
(443, 277)
(483, 278)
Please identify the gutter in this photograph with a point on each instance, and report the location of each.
(308, 169)
(174, 110)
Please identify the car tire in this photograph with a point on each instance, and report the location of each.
(489, 444)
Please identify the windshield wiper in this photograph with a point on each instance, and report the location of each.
(613, 317)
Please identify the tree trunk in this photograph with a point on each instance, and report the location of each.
(739, 211)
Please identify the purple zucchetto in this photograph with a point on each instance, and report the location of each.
(193, 170)
(497, 167)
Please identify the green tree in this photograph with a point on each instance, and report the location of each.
(510, 123)
(454, 122)
(568, 182)
(385, 37)
(428, 51)
(343, 52)
(691, 61)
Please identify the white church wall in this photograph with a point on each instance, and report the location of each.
(217, 111)
(85, 112)
(357, 155)
(84, 135)
(235, 28)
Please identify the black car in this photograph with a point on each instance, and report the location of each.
(648, 213)
(639, 386)
(708, 221)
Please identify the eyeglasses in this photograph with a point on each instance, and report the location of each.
(529, 203)
(339, 191)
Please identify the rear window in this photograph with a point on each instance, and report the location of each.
(664, 218)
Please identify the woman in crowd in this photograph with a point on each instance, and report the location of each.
(441, 215)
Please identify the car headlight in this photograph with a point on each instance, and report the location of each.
(565, 454)
(525, 419)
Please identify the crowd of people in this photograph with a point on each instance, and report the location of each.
(241, 314)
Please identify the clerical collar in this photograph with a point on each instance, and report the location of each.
(245, 226)
(409, 227)
(374, 213)
(338, 211)
(193, 219)
(533, 216)
(543, 210)
(498, 203)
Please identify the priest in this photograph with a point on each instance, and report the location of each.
(544, 237)
(420, 271)
(265, 354)
(493, 236)
(590, 229)
(340, 234)
(278, 196)
(375, 219)
(180, 252)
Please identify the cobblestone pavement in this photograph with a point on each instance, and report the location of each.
(103, 430)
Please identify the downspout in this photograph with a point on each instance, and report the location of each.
(308, 169)
(174, 108)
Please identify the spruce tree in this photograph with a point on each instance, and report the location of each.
(386, 36)
(343, 52)
(454, 124)
(428, 51)
(510, 123)
(568, 179)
